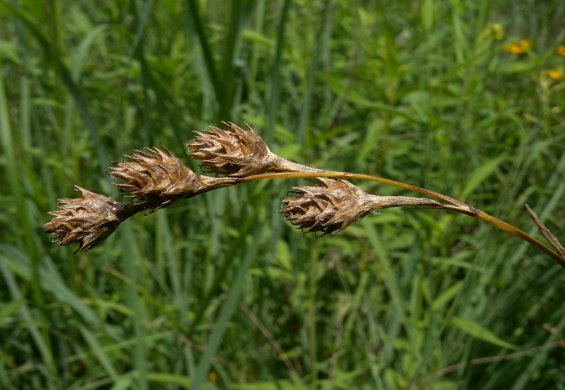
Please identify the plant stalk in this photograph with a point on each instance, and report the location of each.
(460, 207)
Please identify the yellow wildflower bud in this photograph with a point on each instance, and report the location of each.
(555, 74)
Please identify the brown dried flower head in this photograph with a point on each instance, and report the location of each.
(327, 208)
(336, 204)
(86, 220)
(158, 177)
(233, 152)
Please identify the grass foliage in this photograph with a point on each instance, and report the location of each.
(218, 291)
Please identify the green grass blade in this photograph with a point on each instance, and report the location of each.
(142, 25)
(228, 309)
(51, 281)
(196, 20)
(273, 97)
(67, 79)
(480, 175)
(39, 338)
(320, 43)
(478, 331)
(98, 351)
(227, 68)
(130, 261)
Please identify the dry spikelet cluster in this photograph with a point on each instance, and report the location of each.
(327, 208)
(233, 153)
(335, 204)
(155, 178)
(159, 178)
(86, 220)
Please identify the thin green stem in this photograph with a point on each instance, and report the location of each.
(461, 207)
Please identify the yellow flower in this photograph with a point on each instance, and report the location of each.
(555, 74)
(561, 50)
(526, 44)
(518, 48)
(514, 48)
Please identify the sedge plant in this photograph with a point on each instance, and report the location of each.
(154, 178)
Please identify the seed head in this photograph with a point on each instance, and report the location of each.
(159, 178)
(233, 152)
(86, 220)
(334, 205)
(152, 172)
(327, 208)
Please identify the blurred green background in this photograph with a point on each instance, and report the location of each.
(462, 97)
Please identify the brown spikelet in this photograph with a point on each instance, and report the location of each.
(336, 204)
(158, 177)
(86, 220)
(233, 152)
(327, 208)
(154, 171)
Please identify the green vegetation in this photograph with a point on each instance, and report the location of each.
(461, 97)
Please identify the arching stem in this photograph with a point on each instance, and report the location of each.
(460, 207)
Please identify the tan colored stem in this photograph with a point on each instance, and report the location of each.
(459, 207)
